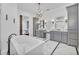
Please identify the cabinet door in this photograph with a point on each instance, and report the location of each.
(41, 34)
(57, 36)
(37, 33)
(64, 37)
(51, 35)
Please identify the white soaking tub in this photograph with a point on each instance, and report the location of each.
(26, 45)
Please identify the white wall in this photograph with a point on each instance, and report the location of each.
(8, 27)
(53, 14)
(57, 13)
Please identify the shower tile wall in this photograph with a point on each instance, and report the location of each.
(73, 25)
(78, 28)
(0, 30)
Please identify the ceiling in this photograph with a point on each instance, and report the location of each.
(32, 7)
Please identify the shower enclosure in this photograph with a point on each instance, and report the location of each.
(73, 25)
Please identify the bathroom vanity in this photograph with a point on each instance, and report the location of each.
(41, 33)
(60, 36)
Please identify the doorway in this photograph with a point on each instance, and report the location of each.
(24, 25)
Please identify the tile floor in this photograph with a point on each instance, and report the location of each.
(64, 49)
(49, 47)
(61, 49)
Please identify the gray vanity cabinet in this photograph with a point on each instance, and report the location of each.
(72, 24)
(41, 34)
(57, 36)
(64, 37)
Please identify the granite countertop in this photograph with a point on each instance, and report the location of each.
(52, 30)
(60, 30)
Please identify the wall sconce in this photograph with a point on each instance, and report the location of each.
(14, 20)
(6, 17)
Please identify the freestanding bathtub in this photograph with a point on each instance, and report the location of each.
(26, 45)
